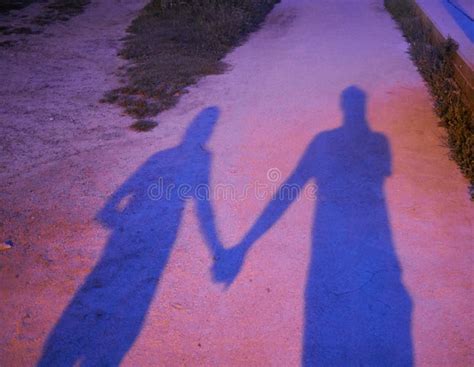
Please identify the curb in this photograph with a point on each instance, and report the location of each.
(464, 73)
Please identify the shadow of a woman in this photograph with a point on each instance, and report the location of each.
(357, 311)
(106, 314)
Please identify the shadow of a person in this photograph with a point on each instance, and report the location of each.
(357, 311)
(106, 314)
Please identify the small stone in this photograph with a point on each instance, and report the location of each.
(7, 245)
(177, 306)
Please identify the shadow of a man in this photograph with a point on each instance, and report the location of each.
(357, 311)
(106, 314)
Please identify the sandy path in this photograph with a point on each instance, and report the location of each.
(52, 83)
(284, 88)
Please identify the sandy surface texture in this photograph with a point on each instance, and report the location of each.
(371, 265)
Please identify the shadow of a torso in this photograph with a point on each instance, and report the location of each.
(357, 311)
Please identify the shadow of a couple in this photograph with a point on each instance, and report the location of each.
(357, 311)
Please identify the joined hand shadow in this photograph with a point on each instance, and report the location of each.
(228, 263)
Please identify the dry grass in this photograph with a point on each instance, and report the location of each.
(171, 45)
(7, 5)
(61, 10)
(144, 125)
(19, 30)
(434, 60)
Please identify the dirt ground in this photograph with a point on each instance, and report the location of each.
(65, 157)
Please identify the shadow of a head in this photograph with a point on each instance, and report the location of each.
(353, 105)
(200, 129)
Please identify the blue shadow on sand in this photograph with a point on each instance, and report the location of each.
(107, 313)
(357, 311)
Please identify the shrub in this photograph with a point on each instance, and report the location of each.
(434, 61)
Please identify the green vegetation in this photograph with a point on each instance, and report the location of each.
(435, 63)
(171, 44)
